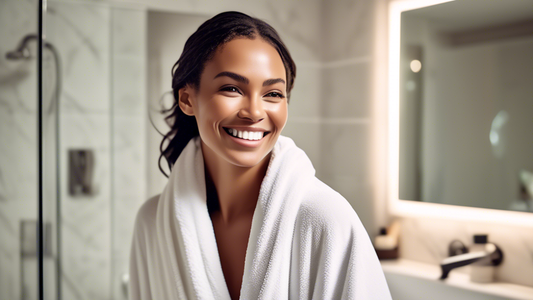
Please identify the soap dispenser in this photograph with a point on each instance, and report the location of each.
(482, 271)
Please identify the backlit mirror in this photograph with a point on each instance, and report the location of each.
(466, 104)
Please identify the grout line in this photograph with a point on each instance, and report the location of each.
(335, 63)
(330, 121)
(347, 62)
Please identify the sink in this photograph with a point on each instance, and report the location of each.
(410, 280)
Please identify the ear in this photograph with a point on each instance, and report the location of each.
(186, 98)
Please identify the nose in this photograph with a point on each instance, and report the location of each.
(252, 109)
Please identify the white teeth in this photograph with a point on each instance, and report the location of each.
(247, 135)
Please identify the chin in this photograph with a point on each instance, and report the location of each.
(246, 160)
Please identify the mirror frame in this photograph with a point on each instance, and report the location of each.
(410, 208)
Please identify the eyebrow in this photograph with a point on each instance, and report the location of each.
(245, 80)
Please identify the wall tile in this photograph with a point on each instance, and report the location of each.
(346, 91)
(128, 86)
(18, 151)
(17, 19)
(347, 29)
(299, 26)
(358, 194)
(427, 240)
(345, 151)
(129, 157)
(124, 213)
(80, 32)
(307, 137)
(85, 220)
(306, 97)
(18, 159)
(129, 30)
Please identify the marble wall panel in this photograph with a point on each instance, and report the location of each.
(81, 34)
(129, 97)
(128, 32)
(18, 152)
(345, 151)
(427, 240)
(298, 24)
(86, 220)
(306, 94)
(307, 137)
(358, 194)
(347, 26)
(129, 157)
(124, 212)
(18, 159)
(346, 91)
(129, 115)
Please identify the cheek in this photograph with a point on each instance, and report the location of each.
(213, 111)
(279, 115)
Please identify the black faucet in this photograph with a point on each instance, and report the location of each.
(492, 254)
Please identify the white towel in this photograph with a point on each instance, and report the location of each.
(306, 241)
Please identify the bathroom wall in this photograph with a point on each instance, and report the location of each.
(346, 105)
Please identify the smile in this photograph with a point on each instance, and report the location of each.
(246, 135)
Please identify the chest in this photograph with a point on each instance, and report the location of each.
(232, 241)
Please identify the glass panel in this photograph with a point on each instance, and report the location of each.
(99, 149)
(18, 150)
(80, 32)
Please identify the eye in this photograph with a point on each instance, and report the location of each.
(230, 89)
(275, 94)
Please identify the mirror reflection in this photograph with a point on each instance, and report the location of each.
(466, 104)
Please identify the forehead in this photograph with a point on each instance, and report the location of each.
(250, 58)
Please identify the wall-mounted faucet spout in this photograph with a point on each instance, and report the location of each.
(492, 254)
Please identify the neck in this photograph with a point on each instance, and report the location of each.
(237, 188)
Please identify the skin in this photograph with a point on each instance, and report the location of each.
(233, 170)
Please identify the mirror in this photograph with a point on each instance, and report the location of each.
(466, 104)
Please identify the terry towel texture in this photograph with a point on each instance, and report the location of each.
(306, 241)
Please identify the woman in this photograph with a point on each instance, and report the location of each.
(243, 215)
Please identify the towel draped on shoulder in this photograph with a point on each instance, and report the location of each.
(306, 241)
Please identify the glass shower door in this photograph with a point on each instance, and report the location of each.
(99, 180)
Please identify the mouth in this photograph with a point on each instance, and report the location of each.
(245, 134)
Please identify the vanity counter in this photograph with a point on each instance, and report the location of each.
(415, 280)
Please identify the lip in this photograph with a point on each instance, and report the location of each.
(246, 143)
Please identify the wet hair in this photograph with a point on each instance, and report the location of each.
(201, 47)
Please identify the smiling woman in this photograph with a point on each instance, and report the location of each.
(243, 215)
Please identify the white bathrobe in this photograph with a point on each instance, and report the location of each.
(306, 241)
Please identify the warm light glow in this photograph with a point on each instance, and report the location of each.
(414, 208)
(416, 65)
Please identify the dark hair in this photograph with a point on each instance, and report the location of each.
(200, 48)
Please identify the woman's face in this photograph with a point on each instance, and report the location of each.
(241, 104)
